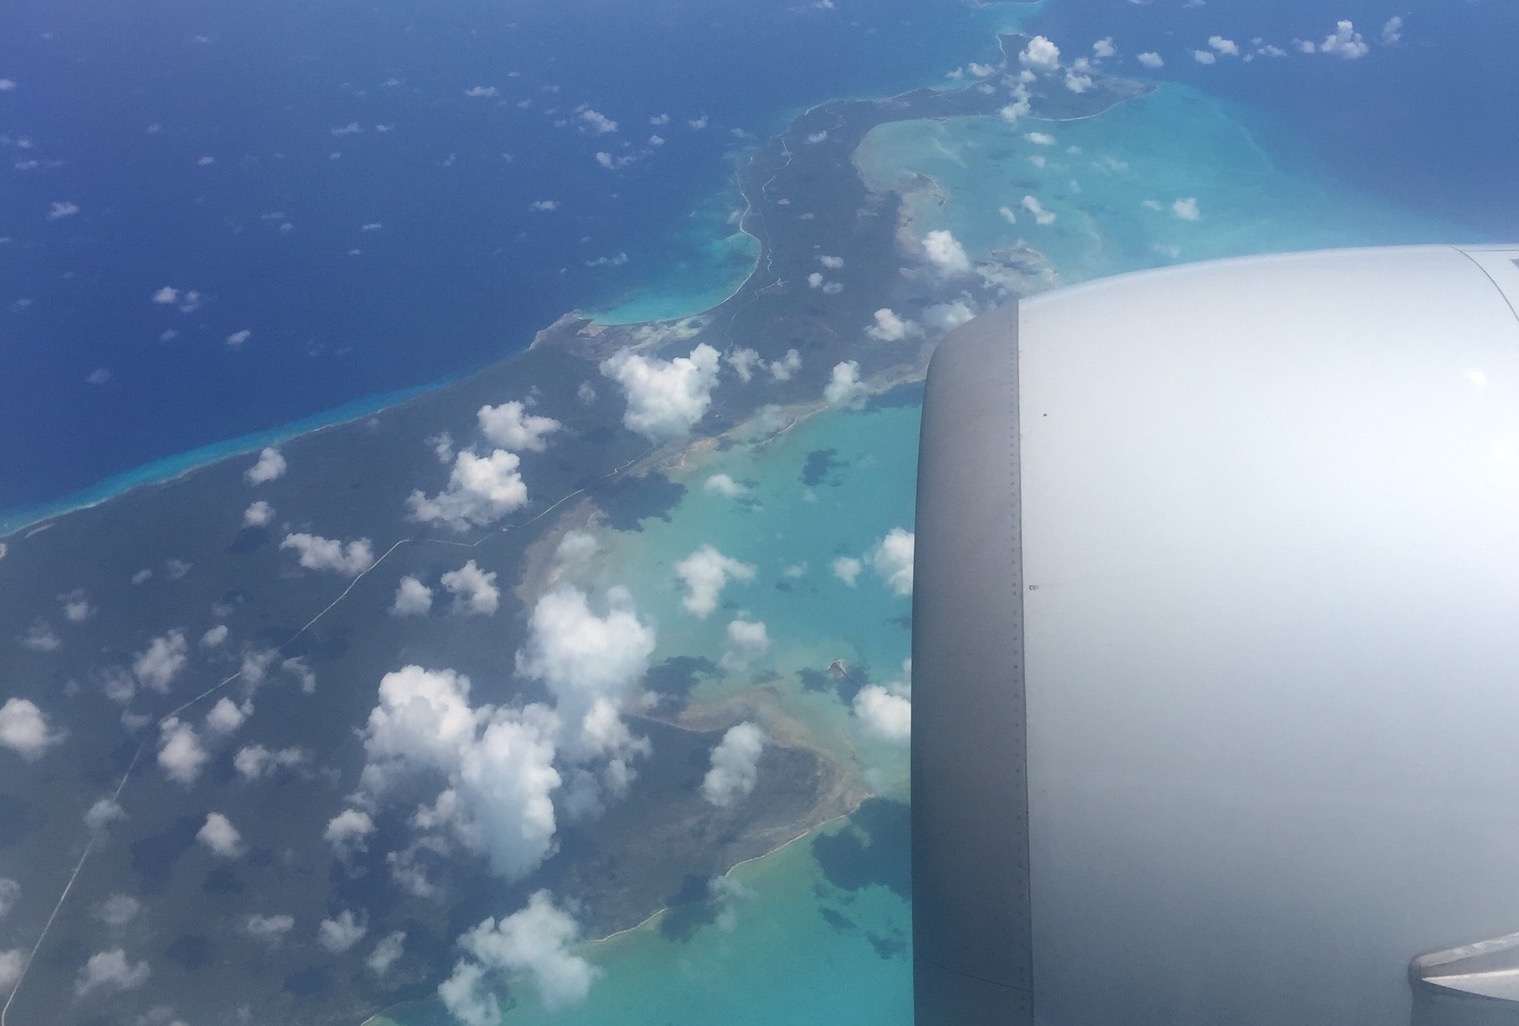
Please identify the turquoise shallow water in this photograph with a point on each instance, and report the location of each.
(1113, 183)
(793, 946)
(724, 259)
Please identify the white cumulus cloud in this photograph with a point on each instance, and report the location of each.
(704, 573)
(342, 932)
(318, 553)
(847, 569)
(1040, 55)
(481, 490)
(722, 484)
(1345, 42)
(510, 427)
(158, 664)
(889, 326)
(413, 598)
(945, 252)
(666, 398)
(735, 765)
(473, 589)
(270, 466)
(180, 752)
(24, 729)
(108, 971)
(1151, 60)
(1186, 209)
(218, 834)
(845, 388)
(593, 666)
(258, 514)
(892, 559)
(536, 940)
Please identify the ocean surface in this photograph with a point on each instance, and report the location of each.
(1274, 153)
(380, 196)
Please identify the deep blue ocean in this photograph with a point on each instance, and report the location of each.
(318, 177)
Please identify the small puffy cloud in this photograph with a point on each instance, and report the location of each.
(219, 835)
(348, 833)
(180, 753)
(575, 551)
(386, 953)
(99, 817)
(815, 280)
(945, 252)
(270, 467)
(61, 210)
(786, 367)
(340, 933)
(833, 263)
(666, 398)
(237, 338)
(847, 569)
(510, 427)
(1104, 48)
(76, 607)
(747, 639)
(1204, 56)
(743, 361)
(704, 573)
(269, 929)
(110, 971)
(24, 729)
(892, 560)
(722, 484)
(1226, 47)
(467, 998)
(119, 909)
(1392, 31)
(536, 940)
(1040, 55)
(166, 296)
(258, 514)
(474, 590)
(845, 388)
(1186, 209)
(226, 715)
(1345, 42)
(40, 637)
(543, 206)
(481, 490)
(7, 84)
(158, 664)
(948, 316)
(413, 598)
(888, 326)
(1040, 138)
(480, 91)
(318, 553)
(886, 710)
(1151, 60)
(255, 761)
(1077, 82)
(598, 121)
(1032, 205)
(735, 765)
(297, 668)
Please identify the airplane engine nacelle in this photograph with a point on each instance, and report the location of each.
(1216, 649)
